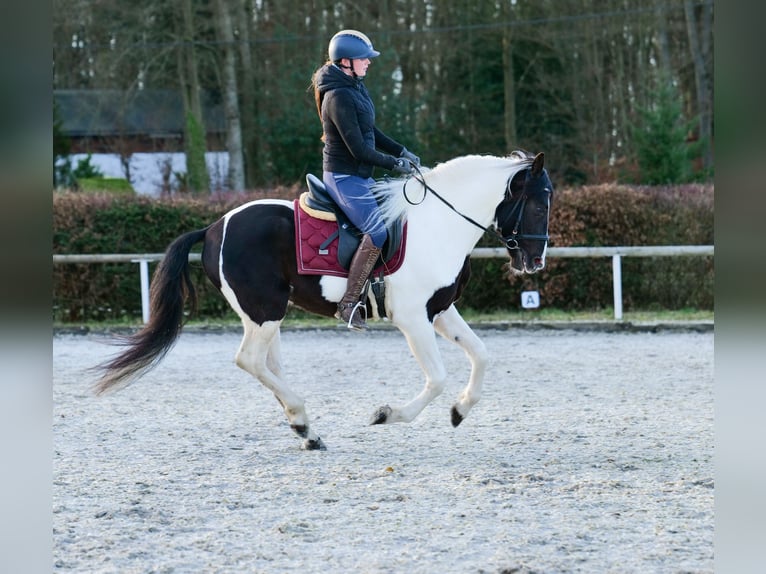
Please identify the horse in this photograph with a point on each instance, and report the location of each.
(249, 254)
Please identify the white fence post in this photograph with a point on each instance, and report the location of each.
(143, 265)
(617, 285)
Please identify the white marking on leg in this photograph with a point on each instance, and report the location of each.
(274, 357)
(453, 327)
(259, 355)
(422, 341)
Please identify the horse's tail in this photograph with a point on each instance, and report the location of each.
(171, 288)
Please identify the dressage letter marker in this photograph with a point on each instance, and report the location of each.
(530, 299)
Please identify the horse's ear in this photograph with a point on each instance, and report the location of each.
(537, 164)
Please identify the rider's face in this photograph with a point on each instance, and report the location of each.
(359, 66)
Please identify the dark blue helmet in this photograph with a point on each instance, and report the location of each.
(351, 44)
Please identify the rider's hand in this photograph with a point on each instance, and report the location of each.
(407, 154)
(403, 165)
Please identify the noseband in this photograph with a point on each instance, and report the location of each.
(511, 241)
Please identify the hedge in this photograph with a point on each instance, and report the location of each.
(584, 216)
(611, 215)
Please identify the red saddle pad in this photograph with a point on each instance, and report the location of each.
(311, 232)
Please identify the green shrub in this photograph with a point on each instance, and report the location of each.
(105, 184)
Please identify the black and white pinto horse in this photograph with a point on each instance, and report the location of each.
(250, 256)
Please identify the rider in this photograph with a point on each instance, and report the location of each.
(351, 144)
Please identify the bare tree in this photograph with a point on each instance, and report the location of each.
(566, 76)
(509, 82)
(698, 25)
(236, 172)
(245, 32)
(188, 76)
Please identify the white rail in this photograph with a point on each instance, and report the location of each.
(616, 253)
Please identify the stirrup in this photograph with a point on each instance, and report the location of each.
(353, 311)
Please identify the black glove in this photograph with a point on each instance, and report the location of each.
(402, 165)
(410, 156)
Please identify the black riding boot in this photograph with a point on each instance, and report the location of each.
(350, 308)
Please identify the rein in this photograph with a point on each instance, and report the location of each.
(510, 242)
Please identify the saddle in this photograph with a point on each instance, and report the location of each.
(326, 240)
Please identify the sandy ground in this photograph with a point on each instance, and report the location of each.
(589, 452)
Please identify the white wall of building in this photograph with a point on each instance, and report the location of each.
(146, 169)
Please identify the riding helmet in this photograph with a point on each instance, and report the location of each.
(351, 44)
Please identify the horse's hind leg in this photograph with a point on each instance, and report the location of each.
(453, 327)
(259, 355)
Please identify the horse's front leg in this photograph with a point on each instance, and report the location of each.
(422, 341)
(453, 327)
(259, 355)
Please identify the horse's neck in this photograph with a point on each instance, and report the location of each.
(454, 221)
(476, 198)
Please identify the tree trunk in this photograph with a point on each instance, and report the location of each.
(248, 108)
(701, 77)
(236, 173)
(662, 42)
(194, 134)
(509, 86)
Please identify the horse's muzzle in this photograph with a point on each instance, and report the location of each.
(533, 265)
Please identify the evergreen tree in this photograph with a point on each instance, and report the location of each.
(660, 136)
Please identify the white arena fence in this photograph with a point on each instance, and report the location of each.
(615, 253)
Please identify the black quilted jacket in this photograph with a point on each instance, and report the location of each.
(351, 140)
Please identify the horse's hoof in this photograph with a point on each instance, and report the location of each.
(381, 415)
(457, 418)
(313, 444)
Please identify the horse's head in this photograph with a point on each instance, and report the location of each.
(522, 217)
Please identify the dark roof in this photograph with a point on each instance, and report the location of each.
(116, 112)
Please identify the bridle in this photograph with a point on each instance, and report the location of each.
(511, 241)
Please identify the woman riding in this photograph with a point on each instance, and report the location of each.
(351, 144)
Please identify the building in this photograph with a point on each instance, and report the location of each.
(124, 122)
(138, 136)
